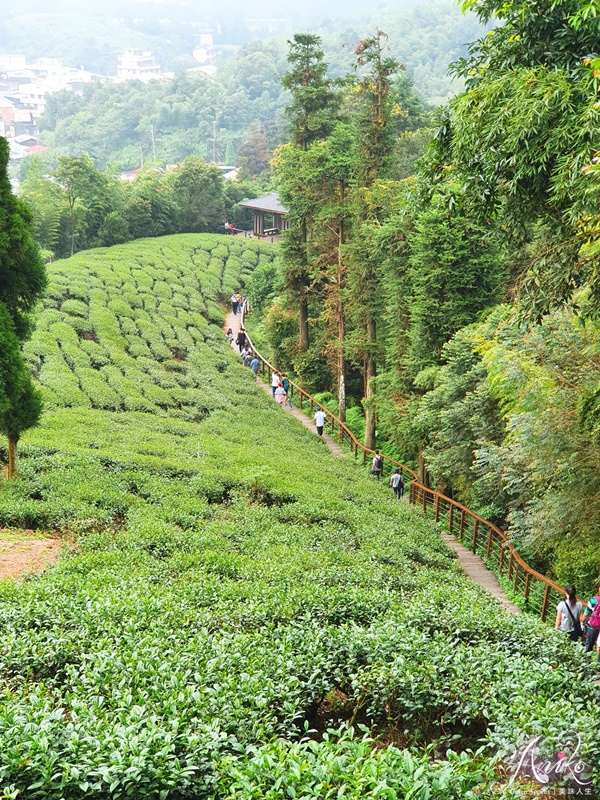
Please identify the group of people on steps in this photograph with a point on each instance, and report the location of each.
(579, 623)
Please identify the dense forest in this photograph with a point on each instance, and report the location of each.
(452, 317)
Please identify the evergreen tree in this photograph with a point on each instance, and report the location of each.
(375, 140)
(312, 114)
(22, 271)
(20, 402)
(22, 281)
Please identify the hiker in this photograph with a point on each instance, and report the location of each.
(240, 302)
(241, 339)
(280, 394)
(286, 385)
(229, 335)
(397, 483)
(320, 420)
(255, 366)
(246, 356)
(590, 620)
(377, 465)
(234, 303)
(568, 612)
(274, 382)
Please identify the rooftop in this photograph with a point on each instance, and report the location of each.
(270, 202)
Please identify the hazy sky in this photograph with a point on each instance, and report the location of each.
(180, 10)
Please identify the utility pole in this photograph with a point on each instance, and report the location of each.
(153, 145)
(214, 158)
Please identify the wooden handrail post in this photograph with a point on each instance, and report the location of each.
(545, 602)
(501, 559)
(526, 590)
(510, 563)
(516, 580)
(424, 500)
(475, 529)
(451, 517)
(461, 527)
(436, 507)
(488, 549)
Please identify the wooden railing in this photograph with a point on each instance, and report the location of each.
(540, 594)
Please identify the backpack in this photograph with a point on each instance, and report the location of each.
(378, 463)
(594, 620)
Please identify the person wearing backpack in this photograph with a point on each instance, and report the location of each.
(568, 612)
(591, 622)
(377, 465)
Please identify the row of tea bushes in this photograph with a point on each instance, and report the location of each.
(122, 333)
(240, 615)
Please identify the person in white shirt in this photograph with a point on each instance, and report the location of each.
(320, 420)
(568, 612)
(397, 483)
(275, 379)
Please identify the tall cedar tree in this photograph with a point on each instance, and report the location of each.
(22, 281)
(312, 113)
(374, 158)
(20, 401)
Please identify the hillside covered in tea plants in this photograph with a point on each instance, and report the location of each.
(237, 614)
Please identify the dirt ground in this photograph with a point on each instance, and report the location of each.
(21, 552)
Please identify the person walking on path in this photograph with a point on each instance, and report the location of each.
(320, 420)
(234, 303)
(274, 382)
(229, 335)
(286, 386)
(241, 339)
(255, 366)
(280, 394)
(590, 620)
(568, 612)
(377, 465)
(397, 483)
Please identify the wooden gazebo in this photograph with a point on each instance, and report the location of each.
(269, 209)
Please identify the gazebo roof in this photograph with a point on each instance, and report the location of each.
(270, 203)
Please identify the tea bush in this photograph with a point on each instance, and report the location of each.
(237, 614)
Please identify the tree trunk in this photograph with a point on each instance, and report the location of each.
(12, 459)
(341, 320)
(421, 473)
(303, 323)
(341, 370)
(370, 374)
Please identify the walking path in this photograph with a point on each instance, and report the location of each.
(472, 564)
(233, 321)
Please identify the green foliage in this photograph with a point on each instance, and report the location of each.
(456, 271)
(198, 191)
(227, 607)
(22, 271)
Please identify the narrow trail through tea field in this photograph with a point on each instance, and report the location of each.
(472, 564)
(233, 321)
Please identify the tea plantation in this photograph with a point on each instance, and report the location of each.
(238, 614)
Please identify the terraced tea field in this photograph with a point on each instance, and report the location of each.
(238, 614)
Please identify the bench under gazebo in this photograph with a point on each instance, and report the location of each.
(267, 210)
